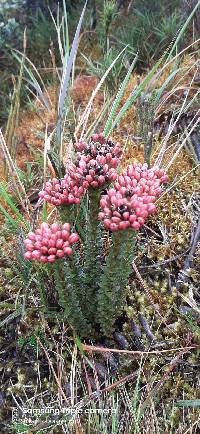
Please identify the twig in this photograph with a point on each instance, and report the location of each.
(171, 367)
(166, 261)
(91, 348)
(54, 373)
(149, 295)
(183, 275)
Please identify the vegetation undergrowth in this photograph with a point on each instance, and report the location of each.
(100, 306)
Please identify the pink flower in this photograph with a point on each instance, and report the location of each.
(96, 161)
(62, 191)
(130, 202)
(54, 242)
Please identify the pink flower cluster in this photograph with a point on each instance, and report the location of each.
(62, 191)
(96, 162)
(92, 172)
(94, 166)
(100, 145)
(49, 243)
(131, 201)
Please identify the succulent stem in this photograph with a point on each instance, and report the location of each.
(113, 281)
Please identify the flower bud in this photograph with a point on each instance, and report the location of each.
(73, 238)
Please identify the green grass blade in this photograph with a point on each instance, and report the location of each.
(183, 30)
(10, 203)
(67, 68)
(119, 97)
(10, 317)
(188, 403)
(132, 98)
(165, 84)
(9, 219)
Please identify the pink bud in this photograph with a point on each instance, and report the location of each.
(144, 214)
(44, 226)
(107, 211)
(132, 218)
(101, 215)
(47, 234)
(121, 181)
(37, 245)
(38, 232)
(164, 178)
(140, 220)
(151, 208)
(103, 203)
(95, 137)
(27, 241)
(51, 258)
(65, 235)
(107, 223)
(117, 214)
(54, 237)
(43, 259)
(31, 236)
(28, 255)
(94, 184)
(71, 198)
(117, 186)
(51, 243)
(59, 244)
(35, 254)
(130, 170)
(55, 227)
(114, 162)
(85, 184)
(101, 180)
(113, 227)
(115, 220)
(126, 215)
(73, 238)
(122, 225)
(66, 227)
(29, 247)
(66, 244)
(52, 251)
(45, 241)
(114, 201)
(44, 249)
(135, 225)
(138, 211)
(89, 178)
(67, 250)
(60, 253)
(108, 156)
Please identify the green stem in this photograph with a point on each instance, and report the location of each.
(68, 291)
(111, 295)
(67, 214)
(92, 254)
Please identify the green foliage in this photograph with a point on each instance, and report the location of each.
(100, 66)
(32, 339)
(114, 276)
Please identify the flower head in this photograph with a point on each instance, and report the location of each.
(100, 145)
(49, 243)
(96, 161)
(62, 191)
(131, 201)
